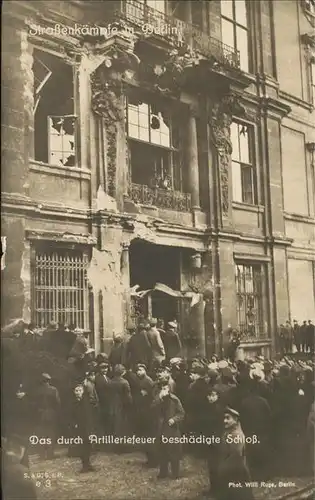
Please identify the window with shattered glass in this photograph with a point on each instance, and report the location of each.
(154, 144)
(54, 117)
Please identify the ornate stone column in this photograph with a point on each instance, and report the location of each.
(192, 161)
(220, 119)
(107, 95)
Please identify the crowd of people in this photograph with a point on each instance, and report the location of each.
(300, 336)
(144, 388)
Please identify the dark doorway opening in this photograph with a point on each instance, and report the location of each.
(151, 264)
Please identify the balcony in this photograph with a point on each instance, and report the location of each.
(139, 17)
(157, 197)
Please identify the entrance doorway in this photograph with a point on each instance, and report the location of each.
(151, 264)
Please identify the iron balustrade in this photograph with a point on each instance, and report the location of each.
(157, 197)
(178, 32)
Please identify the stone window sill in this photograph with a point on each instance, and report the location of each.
(72, 172)
(299, 218)
(247, 207)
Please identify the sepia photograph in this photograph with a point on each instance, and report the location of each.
(158, 250)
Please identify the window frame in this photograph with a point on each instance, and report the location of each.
(75, 99)
(246, 28)
(57, 248)
(252, 165)
(172, 151)
(258, 268)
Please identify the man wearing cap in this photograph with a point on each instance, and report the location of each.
(142, 395)
(48, 405)
(154, 337)
(232, 471)
(139, 349)
(117, 351)
(197, 402)
(120, 404)
(310, 337)
(171, 341)
(169, 413)
(256, 419)
(103, 392)
(296, 335)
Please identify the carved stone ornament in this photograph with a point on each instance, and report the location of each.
(107, 102)
(220, 119)
(170, 76)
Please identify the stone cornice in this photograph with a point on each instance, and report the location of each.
(64, 237)
(299, 218)
(12, 203)
(274, 107)
(295, 100)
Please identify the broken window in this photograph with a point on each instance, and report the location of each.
(54, 117)
(243, 172)
(154, 144)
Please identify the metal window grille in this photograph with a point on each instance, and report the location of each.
(61, 291)
(250, 300)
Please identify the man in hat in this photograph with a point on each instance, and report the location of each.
(171, 341)
(197, 402)
(310, 337)
(226, 386)
(120, 404)
(256, 419)
(102, 382)
(117, 351)
(169, 413)
(303, 332)
(296, 335)
(131, 330)
(48, 407)
(163, 377)
(81, 425)
(139, 349)
(232, 471)
(142, 394)
(212, 425)
(154, 337)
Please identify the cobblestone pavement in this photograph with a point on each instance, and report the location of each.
(124, 477)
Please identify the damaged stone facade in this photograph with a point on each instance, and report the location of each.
(156, 203)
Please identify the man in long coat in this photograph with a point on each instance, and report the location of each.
(169, 413)
(81, 425)
(48, 405)
(102, 382)
(142, 395)
(171, 341)
(139, 348)
(154, 337)
(232, 472)
(120, 404)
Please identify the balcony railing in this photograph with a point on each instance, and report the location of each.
(157, 197)
(178, 32)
